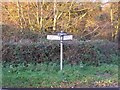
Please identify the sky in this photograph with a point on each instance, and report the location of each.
(104, 1)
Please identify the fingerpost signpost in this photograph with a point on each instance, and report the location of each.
(61, 36)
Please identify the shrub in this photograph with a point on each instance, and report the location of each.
(92, 52)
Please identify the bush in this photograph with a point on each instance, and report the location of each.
(90, 52)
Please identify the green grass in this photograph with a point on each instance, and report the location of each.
(45, 76)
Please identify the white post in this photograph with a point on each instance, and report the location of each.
(61, 51)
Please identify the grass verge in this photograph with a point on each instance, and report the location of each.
(49, 76)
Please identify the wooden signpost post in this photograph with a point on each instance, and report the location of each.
(61, 36)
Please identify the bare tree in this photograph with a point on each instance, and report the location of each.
(29, 19)
(19, 15)
(41, 10)
(70, 10)
(37, 16)
(111, 14)
(55, 16)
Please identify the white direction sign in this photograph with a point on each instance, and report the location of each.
(56, 37)
(53, 37)
(68, 37)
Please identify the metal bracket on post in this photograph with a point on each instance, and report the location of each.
(60, 36)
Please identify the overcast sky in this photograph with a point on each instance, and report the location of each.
(104, 1)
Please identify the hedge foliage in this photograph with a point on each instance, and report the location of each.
(75, 52)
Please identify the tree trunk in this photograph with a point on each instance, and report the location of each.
(37, 16)
(20, 19)
(29, 19)
(22, 15)
(55, 16)
(41, 18)
(111, 14)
